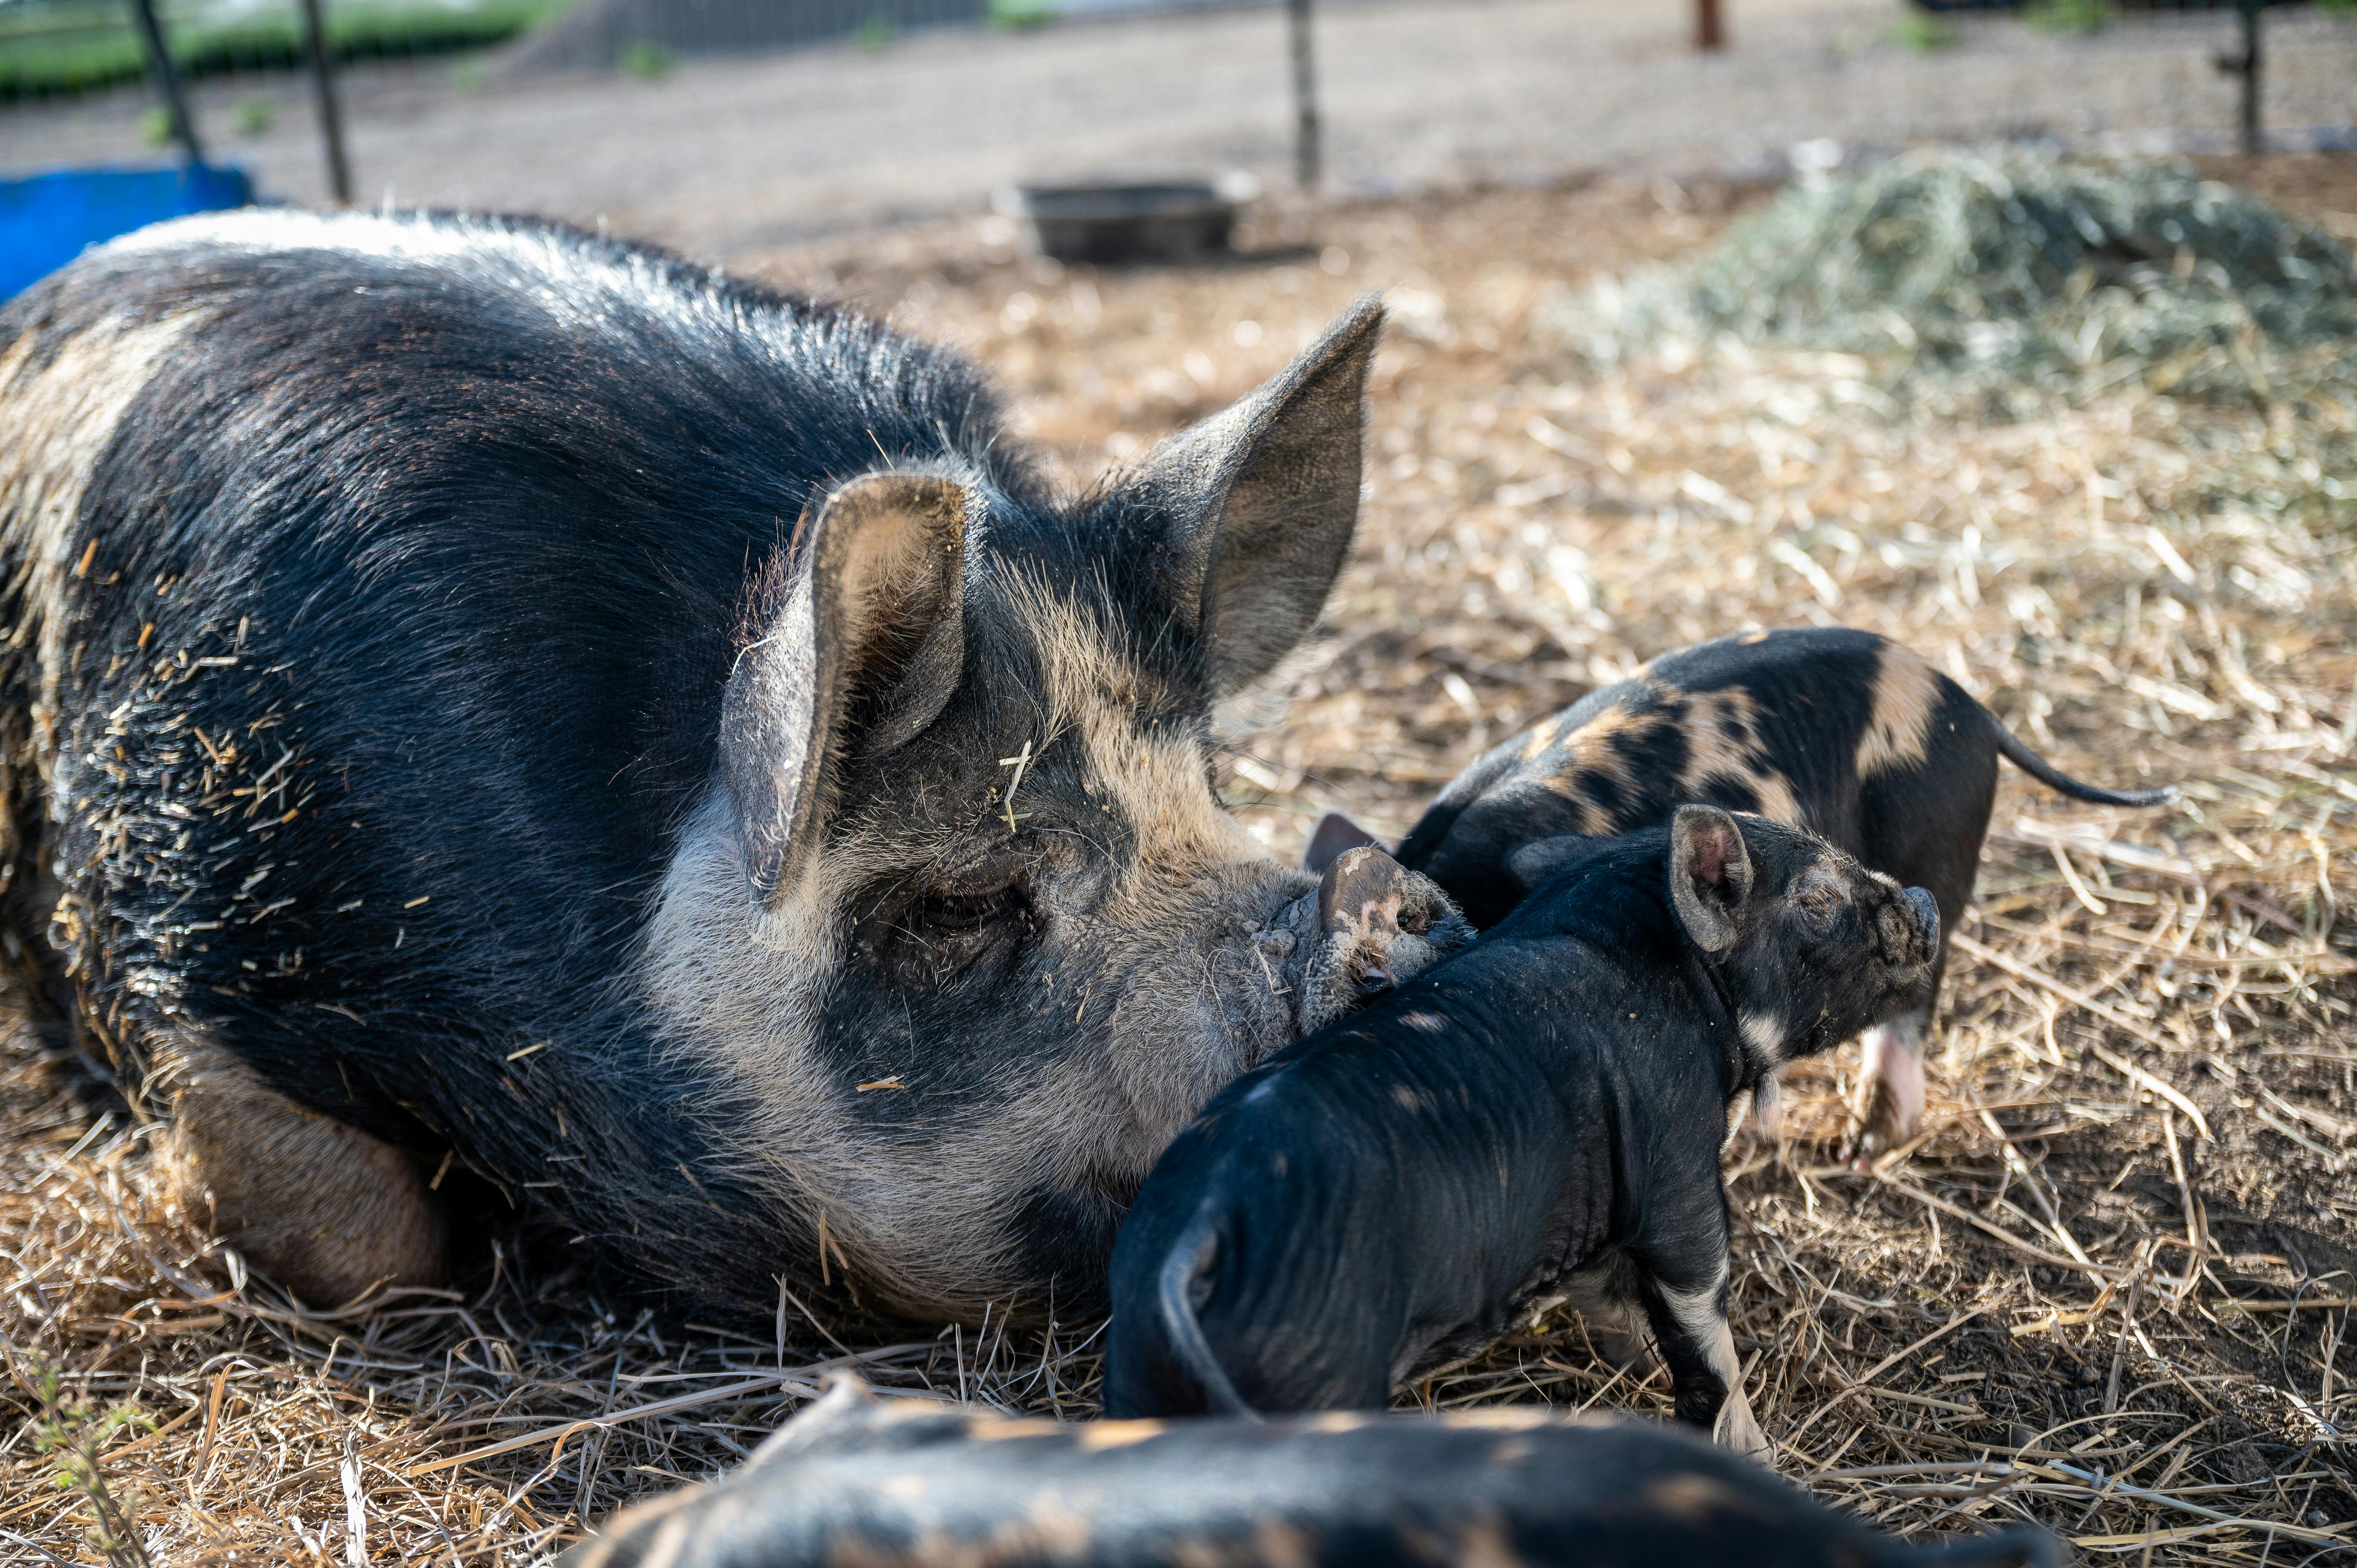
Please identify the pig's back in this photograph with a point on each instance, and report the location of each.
(394, 566)
(1792, 724)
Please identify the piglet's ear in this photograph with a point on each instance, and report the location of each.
(852, 646)
(1266, 497)
(1710, 875)
(1333, 836)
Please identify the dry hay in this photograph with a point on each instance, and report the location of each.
(2016, 271)
(2025, 1315)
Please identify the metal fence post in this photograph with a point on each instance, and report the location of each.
(1305, 159)
(168, 78)
(2252, 139)
(2247, 65)
(323, 94)
(1710, 31)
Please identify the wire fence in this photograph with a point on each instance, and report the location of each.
(52, 49)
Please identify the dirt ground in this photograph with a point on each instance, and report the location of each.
(727, 155)
(2107, 1290)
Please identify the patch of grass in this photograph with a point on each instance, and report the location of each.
(2070, 18)
(1021, 14)
(155, 126)
(253, 114)
(646, 60)
(74, 48)
(875, 35)
(1925, 34)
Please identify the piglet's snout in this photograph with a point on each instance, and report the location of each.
(1927, 913)
(1378, 925)
(1364, 893)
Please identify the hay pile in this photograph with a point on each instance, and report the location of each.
(2069, 1301)
(2013, 270)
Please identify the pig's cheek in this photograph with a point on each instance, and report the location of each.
(1180, 1035)
(1333, 982)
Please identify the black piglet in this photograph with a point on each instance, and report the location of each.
(1539, 1116)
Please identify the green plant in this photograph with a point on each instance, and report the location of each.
(155, 126)
(1018, 15)
(466, 77)
(1923, 33)
(2071, 18)
(69, 1434)
(252, 115)
(74, 46)
(875, 34)
(647, 61)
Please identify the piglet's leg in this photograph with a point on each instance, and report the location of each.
(1609, 1300)
(1891, 1091)
(1705, 1375)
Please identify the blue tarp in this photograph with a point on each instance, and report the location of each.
(47, 222)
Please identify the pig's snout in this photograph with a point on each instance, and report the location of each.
(1927, 911)
(1891, 1090)
(1377, 926)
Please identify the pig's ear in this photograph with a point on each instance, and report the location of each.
(1334, 835)
(1710, 875)
(855, 651)
(1266, 495)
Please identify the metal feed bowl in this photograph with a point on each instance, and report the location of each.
(1159, 221)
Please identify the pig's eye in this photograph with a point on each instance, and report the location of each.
(1817, 896)
(929, 937)
(957, 913)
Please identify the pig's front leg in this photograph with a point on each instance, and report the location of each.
(1686, 1300)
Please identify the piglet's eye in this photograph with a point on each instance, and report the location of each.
(1817, 893)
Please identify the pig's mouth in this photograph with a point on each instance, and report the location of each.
(1370, 924)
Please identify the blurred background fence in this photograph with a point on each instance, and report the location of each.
(724, 126)
(51, 48)
(61, 48)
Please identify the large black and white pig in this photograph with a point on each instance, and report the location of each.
(1840, 731)
(1537, 1118)
(477, 692)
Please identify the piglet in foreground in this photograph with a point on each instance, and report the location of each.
(1538, 1117)
(908, 1484)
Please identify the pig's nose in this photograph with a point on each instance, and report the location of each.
(1926, 911)
(1365, 891)
(1379, 924)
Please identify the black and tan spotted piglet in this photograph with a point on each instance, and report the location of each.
(860, 1482)
(1839, 731)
